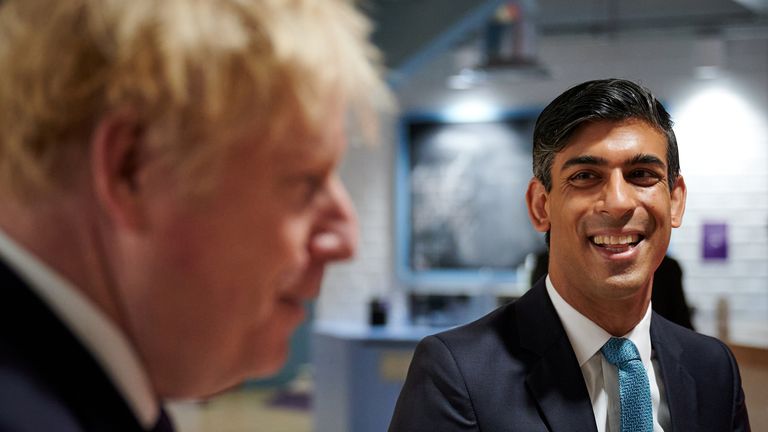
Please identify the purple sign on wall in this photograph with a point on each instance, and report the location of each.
(714, 241)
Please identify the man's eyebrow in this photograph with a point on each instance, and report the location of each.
(646, 159)
(584, 160)
(639, 159)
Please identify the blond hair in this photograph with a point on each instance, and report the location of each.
(190, 70)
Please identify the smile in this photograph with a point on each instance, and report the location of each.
(616, 243)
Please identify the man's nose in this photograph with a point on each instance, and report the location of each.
(618, 196)
(336, 235)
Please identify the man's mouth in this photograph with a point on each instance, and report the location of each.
(616, 243)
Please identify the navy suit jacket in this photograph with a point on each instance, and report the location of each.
(515, 370)
(48, 380)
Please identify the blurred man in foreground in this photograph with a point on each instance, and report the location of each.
(169, 196)
(582, 350)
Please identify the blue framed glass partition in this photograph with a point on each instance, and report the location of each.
(461, 217)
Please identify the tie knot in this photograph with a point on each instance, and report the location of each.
(619, 351)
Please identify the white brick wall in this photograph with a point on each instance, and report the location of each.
(348, 287)
(726, 172)
(724, 159)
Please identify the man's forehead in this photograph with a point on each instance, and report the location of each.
(304, 147)
(609, 136)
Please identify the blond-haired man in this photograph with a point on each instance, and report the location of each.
(168, 196)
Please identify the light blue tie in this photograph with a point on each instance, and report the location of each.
(634, 390)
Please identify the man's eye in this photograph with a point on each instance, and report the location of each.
(644, 177)
(311, 186)
(583, 177)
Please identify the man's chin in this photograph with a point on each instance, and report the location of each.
(268, 361)
(272, 366)
(263, 369)
(625, 285)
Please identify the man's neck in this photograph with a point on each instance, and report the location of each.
(63, 236)
(96, 331)
(617, 316)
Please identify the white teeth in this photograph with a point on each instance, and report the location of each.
(615, 240)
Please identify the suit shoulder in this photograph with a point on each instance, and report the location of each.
(693, 344)
(495, 330)
(30, 405)
(682, 334)
(499, 317)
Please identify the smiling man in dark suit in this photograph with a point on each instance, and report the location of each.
(169, 196)
(582, 350)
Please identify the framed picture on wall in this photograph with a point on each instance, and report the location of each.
(460, 196)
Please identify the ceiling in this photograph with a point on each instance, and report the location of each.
(413, 32)
(563, 16)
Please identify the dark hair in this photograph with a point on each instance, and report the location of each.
(608, 99)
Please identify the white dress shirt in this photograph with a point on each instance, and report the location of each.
(91, 326)
(601, 377)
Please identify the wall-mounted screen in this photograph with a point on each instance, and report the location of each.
(461, 212)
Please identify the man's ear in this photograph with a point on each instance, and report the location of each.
(115, 151)
(679, 193)
(537, 199)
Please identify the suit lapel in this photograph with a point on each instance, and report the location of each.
(555, 381)
(164, 423)
(679, 386)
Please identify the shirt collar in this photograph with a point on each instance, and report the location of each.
(587, 338)
(91, 326)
